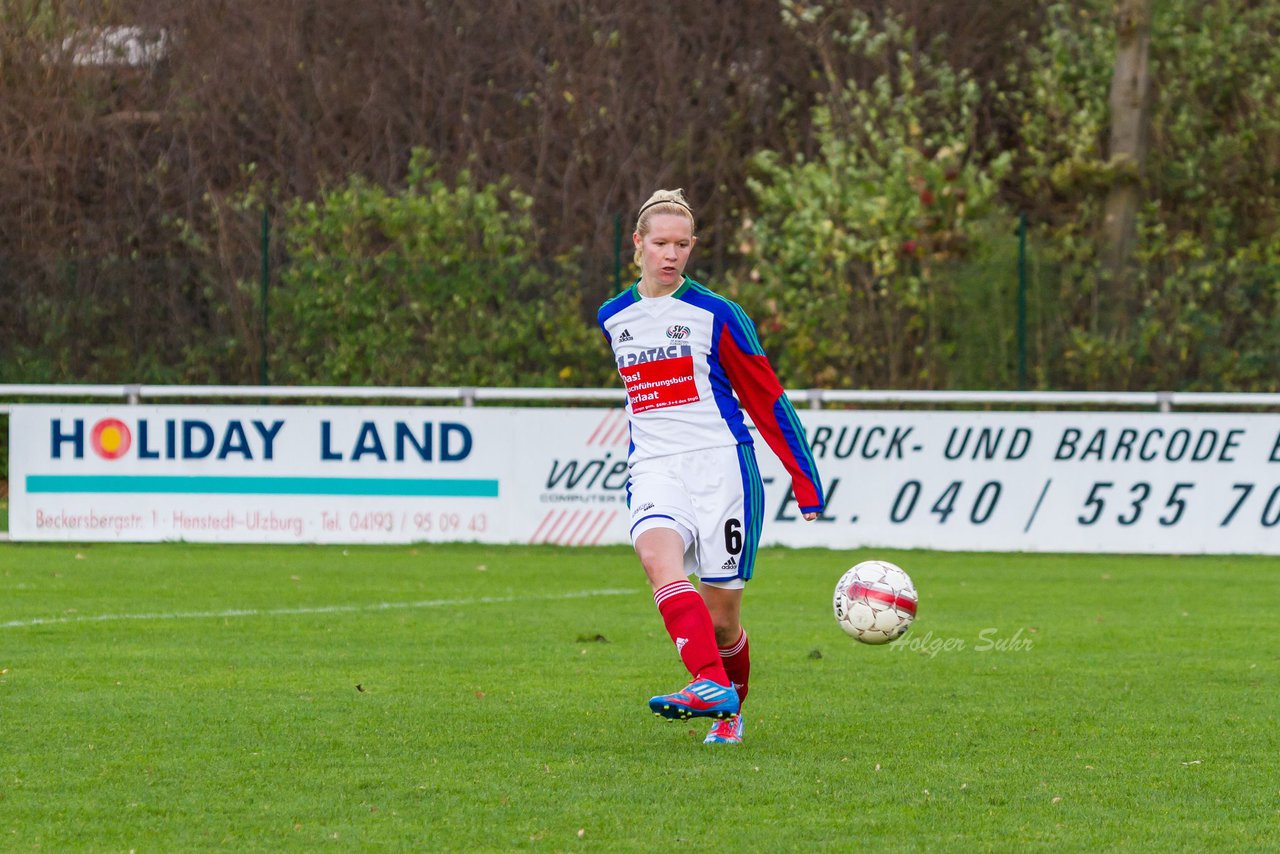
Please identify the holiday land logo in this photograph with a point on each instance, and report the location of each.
(988, 640)
(193, 438)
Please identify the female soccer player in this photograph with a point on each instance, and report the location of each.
(696, 499)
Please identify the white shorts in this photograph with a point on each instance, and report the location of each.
(714, 499)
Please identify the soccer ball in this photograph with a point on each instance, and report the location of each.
(875, 602)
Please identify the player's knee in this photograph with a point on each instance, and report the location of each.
(661, 553)
(656, 561)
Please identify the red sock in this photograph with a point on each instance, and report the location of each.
(689, 624)
(737, 664)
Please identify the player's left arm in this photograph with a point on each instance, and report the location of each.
(762, 395)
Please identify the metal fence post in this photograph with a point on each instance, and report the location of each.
(265, 281)
(1022, 301)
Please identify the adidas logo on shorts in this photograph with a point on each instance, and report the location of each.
(730, 564)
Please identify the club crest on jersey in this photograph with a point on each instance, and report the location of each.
(678, 332)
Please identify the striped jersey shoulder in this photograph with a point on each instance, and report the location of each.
(726, 310)
(616, 303)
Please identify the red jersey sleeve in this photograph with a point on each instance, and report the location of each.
(762, 396)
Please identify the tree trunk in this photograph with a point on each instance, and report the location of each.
(1130, 84)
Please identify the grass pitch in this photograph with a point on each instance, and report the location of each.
(467, 698)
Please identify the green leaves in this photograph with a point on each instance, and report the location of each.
(848, 249)
(1212, 187)
(433, 284)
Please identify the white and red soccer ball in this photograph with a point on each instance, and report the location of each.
(875, 602)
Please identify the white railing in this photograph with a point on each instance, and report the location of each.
(1163, 401)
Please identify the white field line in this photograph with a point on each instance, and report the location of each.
(323, 609)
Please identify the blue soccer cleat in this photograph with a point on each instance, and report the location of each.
(701, 698)
(726, 731)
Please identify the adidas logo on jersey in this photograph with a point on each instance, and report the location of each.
(730, 564)
(625, 336)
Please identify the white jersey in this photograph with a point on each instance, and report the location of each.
(682, 358)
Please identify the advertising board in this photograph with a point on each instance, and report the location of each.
(987, 481)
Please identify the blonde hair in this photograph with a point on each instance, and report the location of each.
(663, 202)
